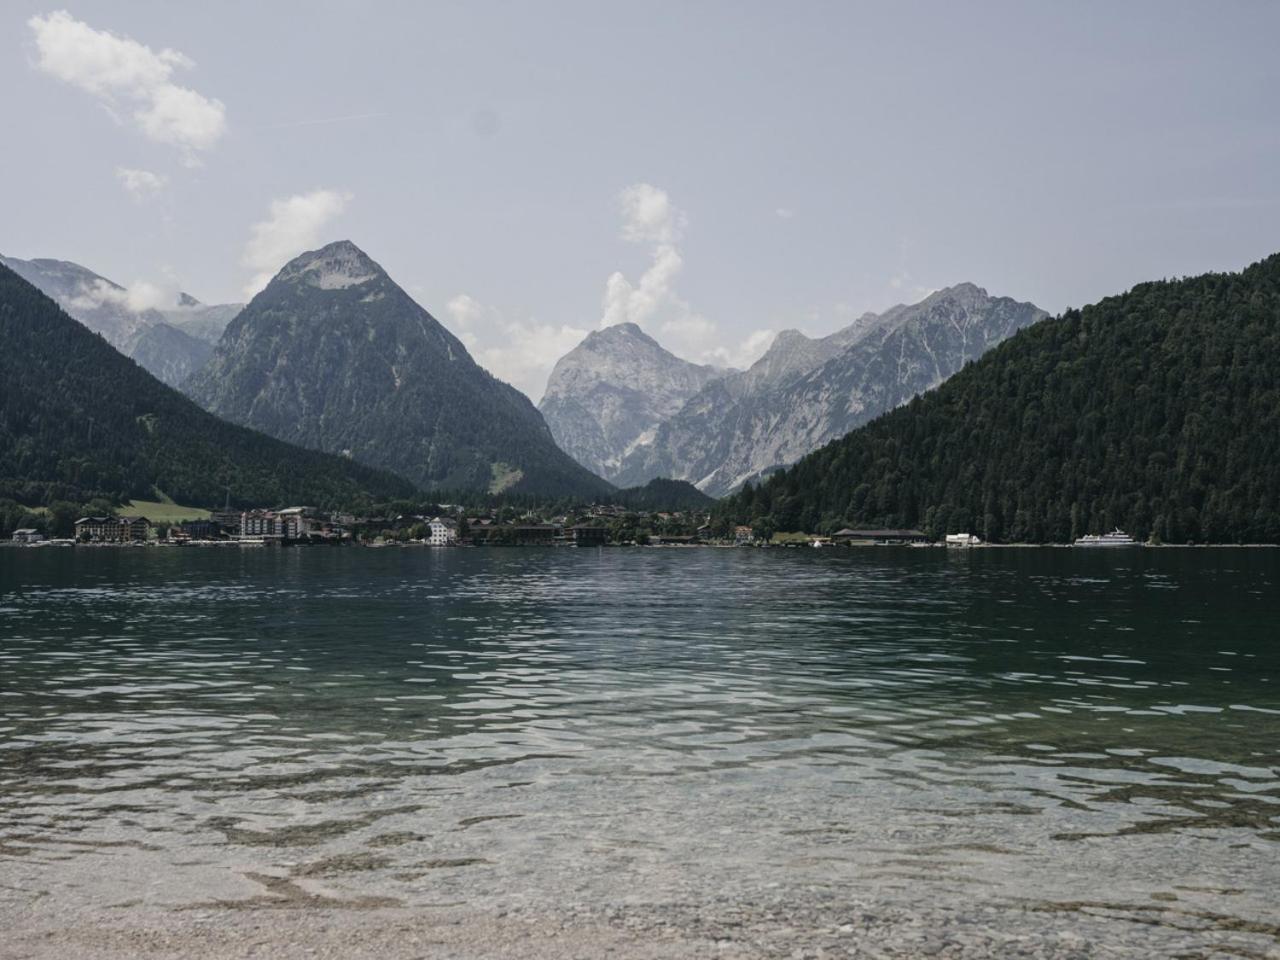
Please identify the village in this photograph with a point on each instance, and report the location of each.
(455, 526)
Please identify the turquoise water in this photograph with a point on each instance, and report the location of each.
(1045, 730)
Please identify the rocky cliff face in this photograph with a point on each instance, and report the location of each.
(333, 355)
(169, 343)
(804, 393)
(606, 397)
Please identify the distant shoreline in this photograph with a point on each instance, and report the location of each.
(227, 544)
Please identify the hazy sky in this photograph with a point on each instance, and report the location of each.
(714, 171)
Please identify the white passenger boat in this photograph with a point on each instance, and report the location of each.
(1116, 538)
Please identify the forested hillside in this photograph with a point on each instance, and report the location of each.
(1157, 411)
(79, 420)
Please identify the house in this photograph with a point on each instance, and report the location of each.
(112, 529)
(962, 540)
(589, 535)
(28, 535)
(444, 532)
(880, 537)
(742, 535)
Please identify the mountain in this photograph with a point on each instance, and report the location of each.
(169, 354)
(103, 307)
(1157, 411)
(333, 355)
(203, 321)
(78, 420)
(606, 396)
(803, 393)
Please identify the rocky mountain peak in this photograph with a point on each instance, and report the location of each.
(335, 356)
(335, 266)
(606, 396)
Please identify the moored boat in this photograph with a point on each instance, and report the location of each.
(1116, 538)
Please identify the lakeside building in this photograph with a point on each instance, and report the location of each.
(112, 529)
(289, 524)
(878, 537)
(589, 535)
(444, 532)
(28, 535)
(197, 530)
(228, 521)
(742, 535)
(261, 525)
(962, 540)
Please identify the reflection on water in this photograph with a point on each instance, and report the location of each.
(1066, 730)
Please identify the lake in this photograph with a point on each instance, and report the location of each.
(654, 752)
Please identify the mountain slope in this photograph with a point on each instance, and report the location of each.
(607, 395)
(804, 393)
(1157, 411)
(333, 355)
(78, 419)
(170, 354)
(150, 336)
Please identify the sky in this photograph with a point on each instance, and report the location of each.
(714, 171)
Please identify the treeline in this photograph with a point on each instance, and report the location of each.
(80, 421)
(1157, 411)
(659, 494)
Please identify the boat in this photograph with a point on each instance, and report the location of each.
(1116, 538)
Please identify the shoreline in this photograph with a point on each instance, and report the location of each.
(227, 544)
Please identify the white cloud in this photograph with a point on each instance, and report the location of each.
(140, 184)
(745, 353)
(786, 213)
(124, 74)
(520, 352)
(905, 285)
(293, 225)
(652, 302)
(141, 295)
(649, 216)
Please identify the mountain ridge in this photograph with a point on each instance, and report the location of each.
(78, 419)
(1156, 410)
(333, 355)
(100, 304)
(806, 392)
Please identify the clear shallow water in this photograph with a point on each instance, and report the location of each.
(1060, 731)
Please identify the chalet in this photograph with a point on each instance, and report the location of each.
(589, 535)
(444, 532)
(879, 537)
(112, 529)
(742, 535)
(28, 535)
